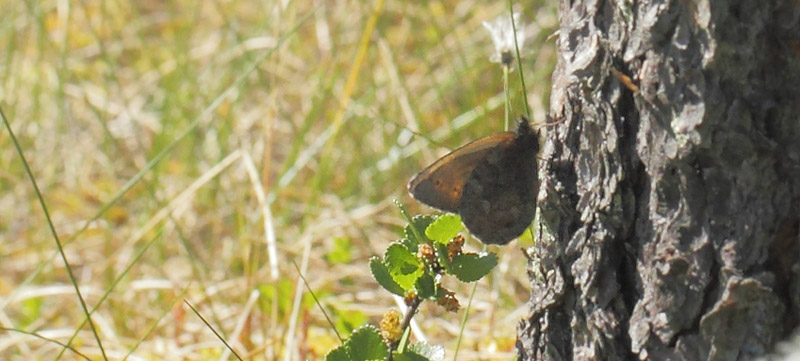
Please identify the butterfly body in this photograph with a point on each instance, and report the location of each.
(491, 182)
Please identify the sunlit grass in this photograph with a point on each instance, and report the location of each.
(195, 149)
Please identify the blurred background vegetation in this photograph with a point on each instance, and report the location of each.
(195, 150)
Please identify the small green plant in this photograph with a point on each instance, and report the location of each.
(431, 247)
(413, 267)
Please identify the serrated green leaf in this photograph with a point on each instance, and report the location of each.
(404, 267)
(412, 246)
(444, 228)
(408, 356)
(338, 354)
(420, 223)
(366, 344)
(381, 274)
(425, 286)
(429, 352)
(470, 267)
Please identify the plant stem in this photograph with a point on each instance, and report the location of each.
(412, 309)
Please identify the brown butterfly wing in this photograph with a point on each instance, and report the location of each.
(441, 184)
(499, 198)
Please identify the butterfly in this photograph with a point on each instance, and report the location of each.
(491, 183)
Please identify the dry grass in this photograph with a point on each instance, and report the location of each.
(195, 150)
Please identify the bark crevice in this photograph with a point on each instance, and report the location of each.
(669, 212)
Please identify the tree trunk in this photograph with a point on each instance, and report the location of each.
(668, 210)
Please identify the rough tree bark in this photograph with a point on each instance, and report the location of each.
(669, 206)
